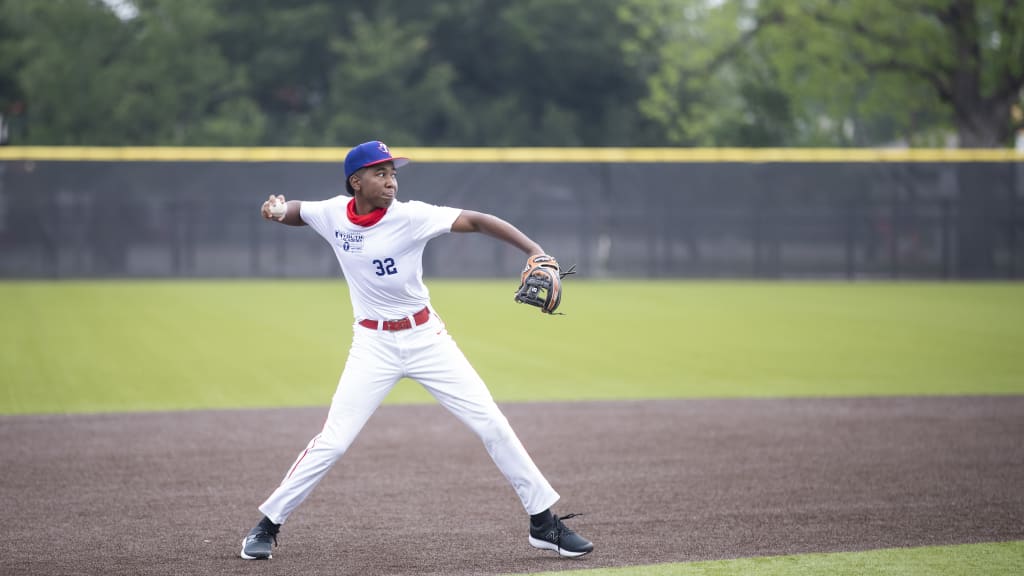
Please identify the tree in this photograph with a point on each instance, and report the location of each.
(383, 85)
(310, 72)
(177, 83)
(863, 72)
(543, 72)
(958, 61)
(12, 100)
(282, 48)
(89, 77)
(59, 48)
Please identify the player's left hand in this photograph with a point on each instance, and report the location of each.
(541, 283)
(538, 260)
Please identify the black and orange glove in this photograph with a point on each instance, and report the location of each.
(541, 283)
(538, 260)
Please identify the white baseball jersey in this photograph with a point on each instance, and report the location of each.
(382, 263)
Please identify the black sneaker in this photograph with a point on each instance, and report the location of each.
(558, 537)
(257, 545)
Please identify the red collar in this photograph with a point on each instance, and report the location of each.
(364, 220)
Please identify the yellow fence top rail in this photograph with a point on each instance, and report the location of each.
(622, 155)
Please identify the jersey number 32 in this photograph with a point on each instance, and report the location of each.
(385, 266)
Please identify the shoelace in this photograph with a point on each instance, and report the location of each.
(562, 528)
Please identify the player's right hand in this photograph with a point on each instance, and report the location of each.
(272, 202)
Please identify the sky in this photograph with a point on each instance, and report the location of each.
(125, 9)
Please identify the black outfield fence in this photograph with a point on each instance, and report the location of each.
(86, 213)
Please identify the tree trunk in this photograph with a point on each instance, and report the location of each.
(984, 124)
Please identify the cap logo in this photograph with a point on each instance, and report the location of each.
(383, 148)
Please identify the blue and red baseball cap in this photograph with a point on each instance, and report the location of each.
(370, 154)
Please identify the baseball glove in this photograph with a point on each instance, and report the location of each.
(541, 284)
(538, 260)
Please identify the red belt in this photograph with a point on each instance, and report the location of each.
(401, 324)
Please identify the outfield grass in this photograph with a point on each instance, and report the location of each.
(998, 559)
(149, 345)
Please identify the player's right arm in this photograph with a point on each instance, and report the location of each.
(290, 216)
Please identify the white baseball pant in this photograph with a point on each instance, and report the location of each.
(377, 360)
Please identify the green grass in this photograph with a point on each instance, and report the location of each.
(999, 559)
(149, 345)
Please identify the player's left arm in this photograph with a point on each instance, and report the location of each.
(471, 221)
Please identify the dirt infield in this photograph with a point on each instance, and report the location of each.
(173, 493)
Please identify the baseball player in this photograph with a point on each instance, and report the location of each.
(379, 243)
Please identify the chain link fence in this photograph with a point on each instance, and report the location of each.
(926, 220)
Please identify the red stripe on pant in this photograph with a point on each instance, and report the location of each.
(299, 461)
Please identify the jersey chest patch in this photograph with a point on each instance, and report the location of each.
(351, 242)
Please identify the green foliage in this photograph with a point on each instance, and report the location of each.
(380, 69)
(89, 78)
(525, 73)
(321, 72)
(112, 346)
(855, 69)
(821, 72)
(63, 65)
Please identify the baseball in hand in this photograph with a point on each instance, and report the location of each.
(278, 210)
